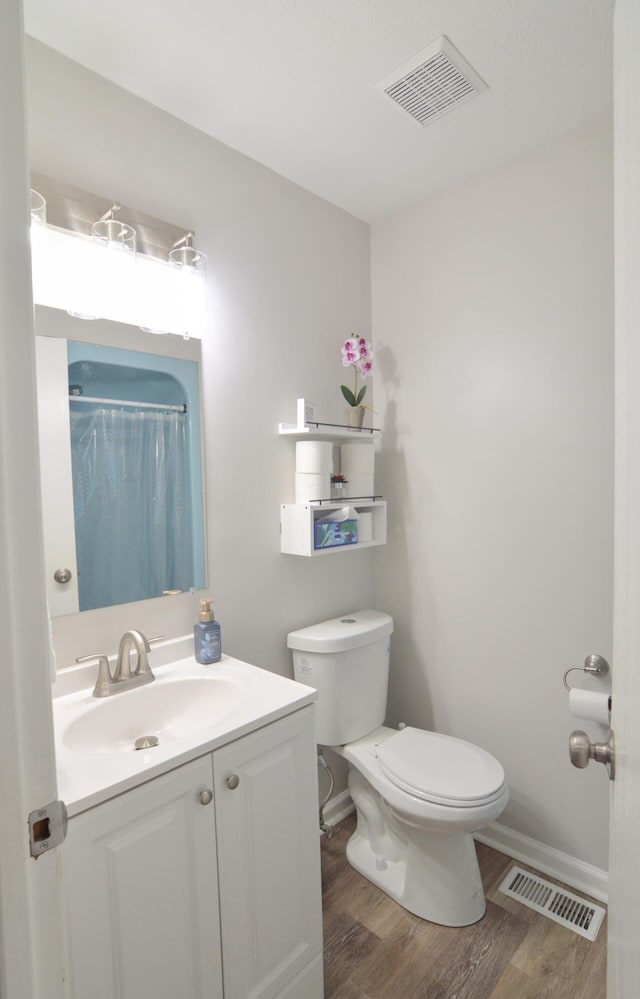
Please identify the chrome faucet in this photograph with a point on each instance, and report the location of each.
(123, 677)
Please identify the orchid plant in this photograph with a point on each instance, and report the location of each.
(356, 352)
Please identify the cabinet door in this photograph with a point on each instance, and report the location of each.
(141, 881)
(269, 866)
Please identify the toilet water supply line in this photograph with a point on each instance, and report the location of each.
(324, 826)
(322, 762)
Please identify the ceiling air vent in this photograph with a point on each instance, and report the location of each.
(435, 81)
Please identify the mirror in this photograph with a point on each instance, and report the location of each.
(121, 462)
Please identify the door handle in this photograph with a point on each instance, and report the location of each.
(581, 750)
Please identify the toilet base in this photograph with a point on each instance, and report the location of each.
(433, 874)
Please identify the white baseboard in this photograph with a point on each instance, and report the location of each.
(338, 808)
(572, 872)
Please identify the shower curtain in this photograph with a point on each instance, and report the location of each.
(131, 490)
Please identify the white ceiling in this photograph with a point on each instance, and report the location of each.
(291, 82)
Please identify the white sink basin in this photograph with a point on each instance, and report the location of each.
(191, 709)
(169, 709)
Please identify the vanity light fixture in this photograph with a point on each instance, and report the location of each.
(111, 230)
(80, 274)
(185, 255)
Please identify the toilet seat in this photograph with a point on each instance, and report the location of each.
(440, 769)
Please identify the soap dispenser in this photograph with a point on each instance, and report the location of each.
(206, 635)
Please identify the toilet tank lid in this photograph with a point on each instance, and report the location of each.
(349, 631)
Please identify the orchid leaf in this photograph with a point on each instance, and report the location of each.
(349, 396)
(360, 395)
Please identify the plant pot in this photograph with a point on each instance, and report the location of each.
(355, 416)
(337, 490)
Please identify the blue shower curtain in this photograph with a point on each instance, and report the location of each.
(131, 490)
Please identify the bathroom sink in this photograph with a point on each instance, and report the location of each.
(169, 710)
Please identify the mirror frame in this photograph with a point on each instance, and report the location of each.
(57, 325)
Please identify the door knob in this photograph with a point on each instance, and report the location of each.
(62, 575)
(206, 797)
(581, 750)
(232, 782)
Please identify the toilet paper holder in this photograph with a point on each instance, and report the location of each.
(594, 664)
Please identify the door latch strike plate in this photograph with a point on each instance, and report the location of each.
(47, 828)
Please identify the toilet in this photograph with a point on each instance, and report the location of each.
(419, 796)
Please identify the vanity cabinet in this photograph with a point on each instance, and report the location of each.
(268, 849)
(212, 866)
(142, 892)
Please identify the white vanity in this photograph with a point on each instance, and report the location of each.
(191, 868)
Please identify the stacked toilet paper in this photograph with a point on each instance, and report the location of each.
(357, 466)
(314, 464)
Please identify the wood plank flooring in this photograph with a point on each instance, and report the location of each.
(374, 949)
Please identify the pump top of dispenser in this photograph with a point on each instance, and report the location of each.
(206, 610)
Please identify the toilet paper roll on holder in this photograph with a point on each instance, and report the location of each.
(594, 664)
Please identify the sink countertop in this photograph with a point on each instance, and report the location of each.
(86, 779)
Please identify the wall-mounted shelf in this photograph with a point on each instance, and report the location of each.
(327, 432)
(297, 526)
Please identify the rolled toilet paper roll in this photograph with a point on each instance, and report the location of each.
(315, 457)
(359, 484)
(591, 705)
(310, 486)
(357, 459)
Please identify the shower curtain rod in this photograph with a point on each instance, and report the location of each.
(128, 402)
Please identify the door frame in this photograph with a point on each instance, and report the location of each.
(624, 914)
(31, 925)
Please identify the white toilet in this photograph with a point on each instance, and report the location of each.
(419, 796)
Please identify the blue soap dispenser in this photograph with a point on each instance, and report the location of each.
(206, 636)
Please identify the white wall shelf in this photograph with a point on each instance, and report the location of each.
(326, 432)
(297, 526)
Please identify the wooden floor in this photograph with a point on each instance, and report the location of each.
(374, 949)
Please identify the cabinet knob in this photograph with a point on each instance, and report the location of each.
(232, 782)
(62, 575)
(206, 797)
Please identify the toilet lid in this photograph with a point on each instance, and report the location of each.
(440, 768)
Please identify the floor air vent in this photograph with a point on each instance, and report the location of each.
(575, 913)
(435, 81)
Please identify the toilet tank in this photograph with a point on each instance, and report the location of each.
(347, 660)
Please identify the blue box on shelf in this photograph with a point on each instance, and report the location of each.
(332, 533)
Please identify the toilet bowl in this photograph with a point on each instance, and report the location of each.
(419, 796)
(416, 844)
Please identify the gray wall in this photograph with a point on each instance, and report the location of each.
(493, 322)
(493, 329)
(288, 280)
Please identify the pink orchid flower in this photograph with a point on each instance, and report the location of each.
(356, 351)
(353, 343)
(349, 357)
